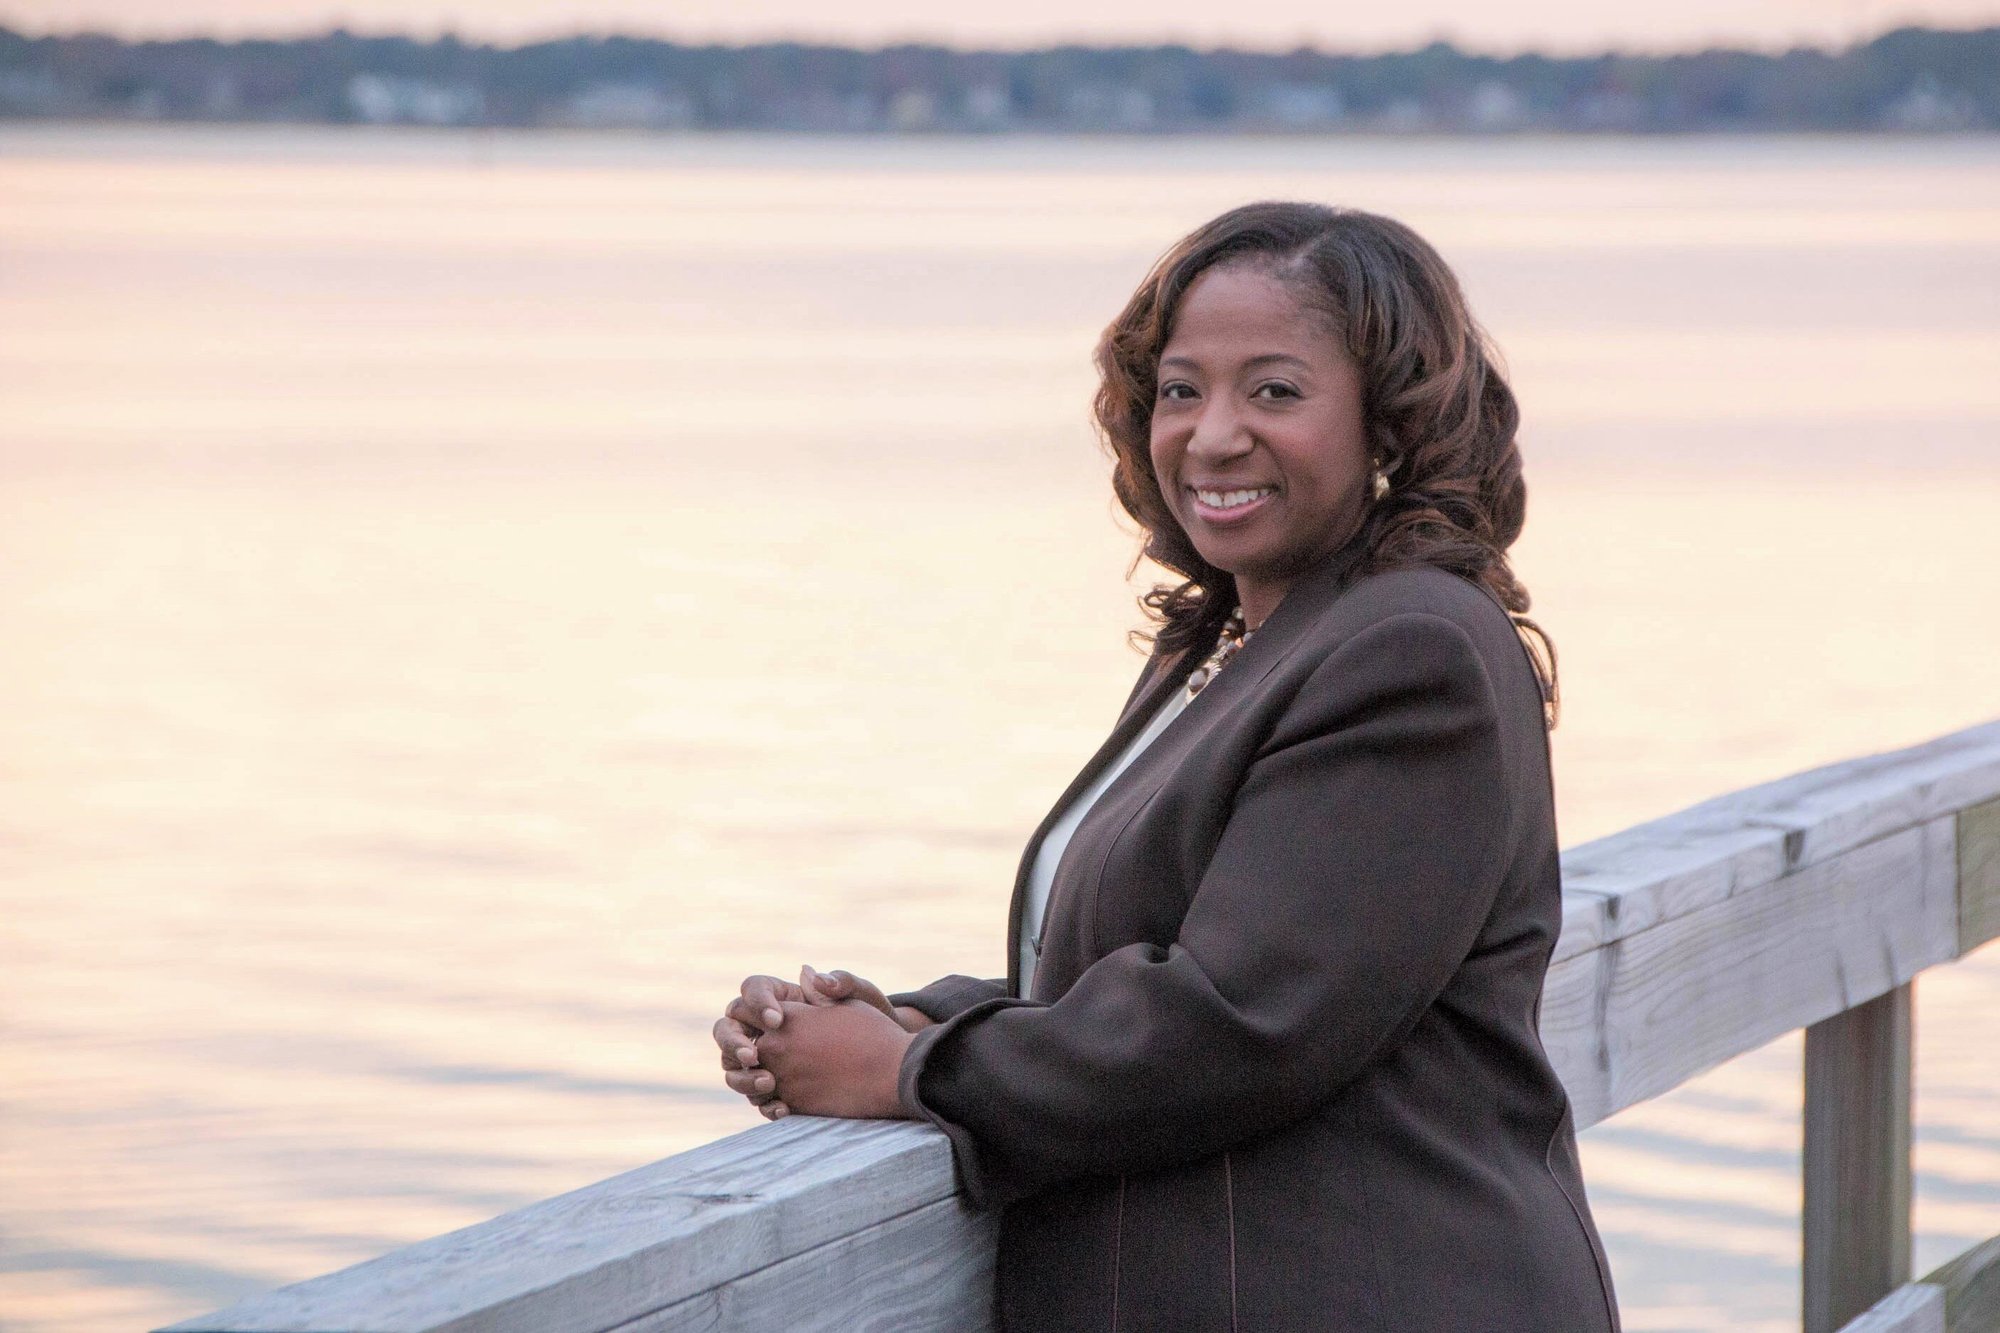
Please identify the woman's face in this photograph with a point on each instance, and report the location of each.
(1258, 439)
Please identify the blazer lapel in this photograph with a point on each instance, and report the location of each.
(1304, 602)
(1301, 606)
(1161, 674)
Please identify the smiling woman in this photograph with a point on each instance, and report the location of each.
(1259, 442)
(1266, 1056)
(1401, 377)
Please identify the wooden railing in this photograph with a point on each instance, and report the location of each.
(1807, 902)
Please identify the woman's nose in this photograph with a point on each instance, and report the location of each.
(1218, 435)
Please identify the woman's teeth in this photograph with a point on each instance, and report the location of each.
(1233, 499)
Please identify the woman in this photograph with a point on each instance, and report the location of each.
(1266, 1056)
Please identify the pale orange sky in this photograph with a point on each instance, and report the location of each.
(1549, 25)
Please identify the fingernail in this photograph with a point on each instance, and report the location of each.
(746, 1055)
(765, 1082)
(773, 1017)
(779, 1111)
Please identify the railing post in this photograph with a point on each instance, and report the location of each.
(1857, 1159)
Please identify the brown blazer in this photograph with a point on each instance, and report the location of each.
(1280, 1068)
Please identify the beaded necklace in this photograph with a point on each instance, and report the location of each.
(1235, 633)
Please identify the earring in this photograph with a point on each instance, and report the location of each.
(1381, 482)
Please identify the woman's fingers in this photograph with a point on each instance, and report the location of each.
(762, 997)
(843, 985)
(751, 1016)
(825, 986)
(760, 1088)
(757, 1084)
(738, 1043)
(739, 1071)
(812, 984)
(746, 1021)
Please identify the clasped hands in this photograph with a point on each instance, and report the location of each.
(830, 1045)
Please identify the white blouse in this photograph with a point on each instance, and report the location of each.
(1049, 855)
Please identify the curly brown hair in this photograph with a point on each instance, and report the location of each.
(1441, 418)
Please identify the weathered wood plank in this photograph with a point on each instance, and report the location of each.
(1971, 1286)
(930, 1269)
(1914, 1308)
(1828, 811)
(1644, 1013)
(1978, 875)
(1633, 881)
(1857, 1159)
(1668, 867)
(586, 1261)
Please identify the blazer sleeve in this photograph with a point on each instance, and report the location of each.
(1356, 868)
(949, 996)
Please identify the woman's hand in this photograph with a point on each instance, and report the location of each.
(757, 1010)
(842, 985)
(747, 1017)
(836, 1058)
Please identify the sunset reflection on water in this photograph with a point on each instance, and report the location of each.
(466, 606)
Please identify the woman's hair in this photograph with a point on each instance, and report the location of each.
(1439, 415)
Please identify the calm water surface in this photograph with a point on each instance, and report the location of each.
(467, 600)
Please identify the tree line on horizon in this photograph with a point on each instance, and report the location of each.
(1910, 79)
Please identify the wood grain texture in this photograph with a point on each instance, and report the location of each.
(1978, 875)
(1654, 872)
(931, 1269)
(1971, 1286)
(1914, 1308)
(587, 1261)
(1856, 1219)
(1642, 1014)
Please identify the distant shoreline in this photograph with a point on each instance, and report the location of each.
(1909, 80)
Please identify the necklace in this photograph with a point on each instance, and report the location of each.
(1235, 633)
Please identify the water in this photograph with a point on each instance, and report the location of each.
(469, 599)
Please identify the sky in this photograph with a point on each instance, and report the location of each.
(1555, 26)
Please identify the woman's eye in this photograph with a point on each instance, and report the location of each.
(1176, 390)
(1277, 390)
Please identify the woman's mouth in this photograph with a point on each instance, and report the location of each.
(1220, 506)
